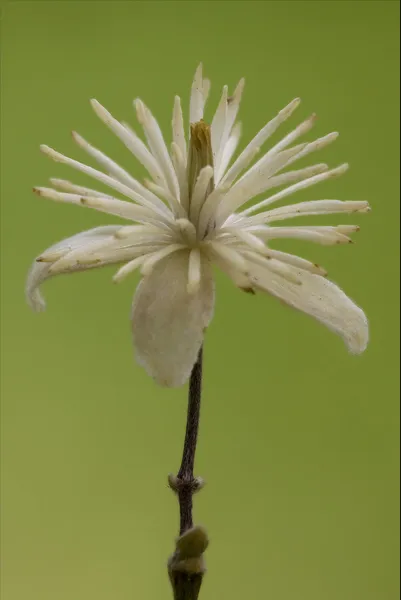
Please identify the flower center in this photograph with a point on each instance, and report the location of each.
(200, 155)
(199, 170)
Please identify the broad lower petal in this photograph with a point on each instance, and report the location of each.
(168, 322)
(321, 299)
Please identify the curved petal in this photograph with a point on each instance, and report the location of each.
(93, 248)
(168, 323)
(321, 299)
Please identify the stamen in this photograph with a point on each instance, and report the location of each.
(200, 156)
(187, 230)
(150, 262)
(201, 191)
(129, 268)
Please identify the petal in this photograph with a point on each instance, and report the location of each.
(253, 147)
(130, 140)
(85, 242)
(321, 299)
(113, 169)
(178, 127)
(157, 145)
(228, 152)
(197, 100)
(168, 323)
(301, 185)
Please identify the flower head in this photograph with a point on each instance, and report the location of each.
(194, 211)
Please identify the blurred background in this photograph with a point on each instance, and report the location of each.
(299, 439)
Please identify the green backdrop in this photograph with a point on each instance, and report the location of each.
(298, 439)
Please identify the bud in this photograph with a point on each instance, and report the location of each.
(187, 566)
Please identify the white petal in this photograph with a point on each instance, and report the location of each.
(318, 144)
(218, 127)
(168, 323)
(245, 240)
(256, 180)
(291, 137)
(110, 205)
(157, 145)
(119, 173)
(327, 236)
(296, 261)
(302, 185)
(244, 190)
(230, 114)
(80, 190)
(247, 155)
(131, 141)
(228, 152)
(321, 299)
(106, 179)
(205, 90)
(39, 271)
(311, 208)
(178, 128)
(234, 103)
(196, 103)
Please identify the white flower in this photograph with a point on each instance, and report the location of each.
(191, 213)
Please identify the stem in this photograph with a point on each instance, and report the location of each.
(186, 566)
(185, 475)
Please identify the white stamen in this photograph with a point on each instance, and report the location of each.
(181, 172)
(129, 268)
(198, 195)
(229, 255)
(187, 230)
(209, 209)
(150, 262)
(165, 193)
(143, 231)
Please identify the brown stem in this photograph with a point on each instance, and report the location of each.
(186, 566)
(187, 482)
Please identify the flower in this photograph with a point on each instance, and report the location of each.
(191, 213)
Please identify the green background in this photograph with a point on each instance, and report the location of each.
(298, 439)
